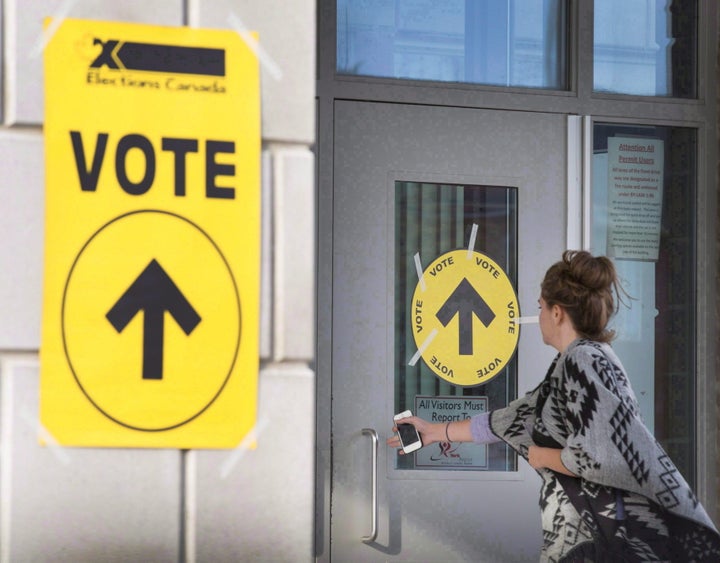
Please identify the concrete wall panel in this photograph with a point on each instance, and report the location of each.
(287, 37)
(24, 42)
(293, 171)
(256, 504)
(21, 239)
(266, 263)
(74, 504)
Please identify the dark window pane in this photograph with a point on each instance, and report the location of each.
(643, 210)
(646, 47)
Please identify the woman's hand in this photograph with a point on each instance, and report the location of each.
(536, 457)
(429, 432)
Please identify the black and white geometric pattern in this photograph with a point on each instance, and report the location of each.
(518, 428)
(670, 478)
(621, 422)
(629, 502)
(583, 461)
(581, 397)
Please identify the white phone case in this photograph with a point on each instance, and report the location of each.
(416, 444)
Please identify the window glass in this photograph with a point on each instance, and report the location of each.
(498, 42)
(434, 221)
(643, 212)
(646, 47)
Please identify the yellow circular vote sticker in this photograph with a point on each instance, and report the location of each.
(464, 318)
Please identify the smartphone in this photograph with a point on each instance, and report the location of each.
(409, 437)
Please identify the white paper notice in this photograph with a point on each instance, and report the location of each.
(635, 193)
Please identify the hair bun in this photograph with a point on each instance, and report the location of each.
(596, 273)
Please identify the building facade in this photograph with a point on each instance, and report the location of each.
(87, 504)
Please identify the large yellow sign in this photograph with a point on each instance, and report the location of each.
(150, 315)
(464, 318)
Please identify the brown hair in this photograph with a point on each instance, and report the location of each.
(583, 285)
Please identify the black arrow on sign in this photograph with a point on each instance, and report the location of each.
(153, 292)
(465, 301)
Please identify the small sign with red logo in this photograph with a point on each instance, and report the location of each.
(451, 455)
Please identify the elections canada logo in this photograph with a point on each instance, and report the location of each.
(136, 65)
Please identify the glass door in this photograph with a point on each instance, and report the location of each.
(439, 228)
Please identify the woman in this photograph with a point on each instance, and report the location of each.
(609, 492)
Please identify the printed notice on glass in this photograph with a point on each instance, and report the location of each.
(451, 455)
(635, 192)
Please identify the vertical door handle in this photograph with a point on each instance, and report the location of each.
(374, 502)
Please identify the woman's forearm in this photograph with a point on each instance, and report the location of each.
(458, 431)
(475, 429)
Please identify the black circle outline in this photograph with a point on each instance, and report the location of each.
(62, 319)
(517, 325)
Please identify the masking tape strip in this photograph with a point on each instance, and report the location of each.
(244, 445)
(471, 244)
(419, 270)
(51, 442)
(422, 348)
(47, 34)
(265, 60)
(527, 320)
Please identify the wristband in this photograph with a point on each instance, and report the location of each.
(446, 432)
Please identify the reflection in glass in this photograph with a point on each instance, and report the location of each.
(646, 47)
(644, 183)
(433, 219)
(499, 42)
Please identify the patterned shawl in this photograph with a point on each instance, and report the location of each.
(630, 503)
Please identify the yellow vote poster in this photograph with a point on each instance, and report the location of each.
(152, 242)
